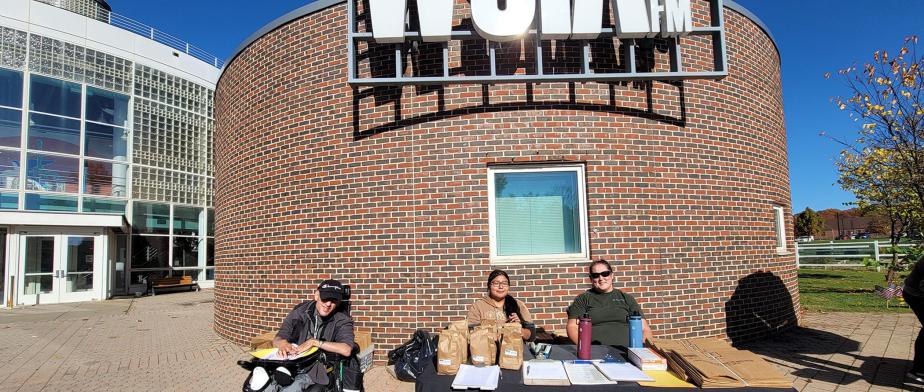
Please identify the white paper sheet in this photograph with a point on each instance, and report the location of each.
(622, 371)
(484, 378)
(546, 370)
(276, 356)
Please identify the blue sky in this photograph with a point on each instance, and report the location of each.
(814, 37)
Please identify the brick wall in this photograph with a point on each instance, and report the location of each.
(386, 189)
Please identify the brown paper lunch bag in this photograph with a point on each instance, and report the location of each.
(483, 347)
(461, 326)
(511, 348)
(451, 352)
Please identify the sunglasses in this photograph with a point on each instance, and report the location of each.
(605, 274)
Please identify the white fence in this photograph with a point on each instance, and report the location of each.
(845, 254)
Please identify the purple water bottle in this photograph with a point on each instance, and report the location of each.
(584, 336)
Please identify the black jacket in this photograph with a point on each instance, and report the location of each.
(302, 324)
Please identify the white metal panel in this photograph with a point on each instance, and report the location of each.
(159, 56)
(100, 265)
(58, 19)
(57, 34)
(13, 23)
(110, 37)
(15, 9)
(55, 219)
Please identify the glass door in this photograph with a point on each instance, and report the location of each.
(38, 266)
(76, 269)
(58, 268)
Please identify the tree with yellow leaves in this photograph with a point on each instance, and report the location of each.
(884, 166)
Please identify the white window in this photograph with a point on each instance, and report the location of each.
(537, 213)
(779, 226)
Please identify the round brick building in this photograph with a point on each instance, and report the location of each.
(412, 194)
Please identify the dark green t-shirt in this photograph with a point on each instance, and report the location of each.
(609, 315)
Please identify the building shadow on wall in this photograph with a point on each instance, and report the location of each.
(760, 306)
(760, 318)
(422, 59)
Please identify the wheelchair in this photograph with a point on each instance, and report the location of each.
(343, 373)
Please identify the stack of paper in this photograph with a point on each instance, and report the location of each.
(544, 372)
(646, 359)
(713, 363)
(484, 378)
(585, 373)
(621, 371)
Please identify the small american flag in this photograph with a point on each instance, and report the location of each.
(890, 292)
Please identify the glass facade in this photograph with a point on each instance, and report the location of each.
(171, 240)
(82, 131)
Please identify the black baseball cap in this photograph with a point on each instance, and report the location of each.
(331, 290)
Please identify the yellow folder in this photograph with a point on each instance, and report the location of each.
(664, 379)
(270, 353)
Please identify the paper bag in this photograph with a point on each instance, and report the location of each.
(511, 347)
(483, 347)
(491, 326)
(451, 352)
(460, 326)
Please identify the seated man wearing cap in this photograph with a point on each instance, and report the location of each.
(317, 323)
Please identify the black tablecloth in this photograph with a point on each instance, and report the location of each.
(512, 380)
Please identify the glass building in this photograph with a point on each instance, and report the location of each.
(105, 154)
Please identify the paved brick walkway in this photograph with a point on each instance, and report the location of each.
(850, 352)
(166, 343)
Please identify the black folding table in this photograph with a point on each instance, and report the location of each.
(512, 380)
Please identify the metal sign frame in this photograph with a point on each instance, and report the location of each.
(716, 31)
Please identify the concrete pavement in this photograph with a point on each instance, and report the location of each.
(166, 343)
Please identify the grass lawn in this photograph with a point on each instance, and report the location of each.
(844, 291)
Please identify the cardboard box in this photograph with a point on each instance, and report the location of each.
(262, 341)
(363, 339)
(366, 358)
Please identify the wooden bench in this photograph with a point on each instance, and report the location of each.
(171, 282)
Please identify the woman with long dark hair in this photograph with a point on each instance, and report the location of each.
(498, 305)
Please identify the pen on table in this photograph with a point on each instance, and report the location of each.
(582, 362)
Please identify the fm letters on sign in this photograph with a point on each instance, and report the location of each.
(557, 18)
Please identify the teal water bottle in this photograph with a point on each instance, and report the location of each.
(635, 330)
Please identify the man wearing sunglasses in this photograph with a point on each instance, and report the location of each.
(609, 309)
(316, 323)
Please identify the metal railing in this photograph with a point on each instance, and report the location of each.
(94, 10)
(144, 30)
(846, 254)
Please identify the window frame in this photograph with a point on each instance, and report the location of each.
(583, 256)
(779, 220)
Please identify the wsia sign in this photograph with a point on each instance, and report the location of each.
(558, 19)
